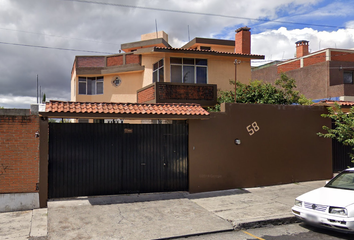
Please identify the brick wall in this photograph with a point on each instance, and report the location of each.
(19, 152)
(289, 66)
(101, 61)
(321, 57)
(115, 61)
(146, 95)
(90, 61)
(342, 56)
(132, 58)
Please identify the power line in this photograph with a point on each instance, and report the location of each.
(199, 13)
(49, 35)
(160, 9)
(56, 48)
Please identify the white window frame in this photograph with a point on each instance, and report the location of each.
(157, 70)
(96, 81)
(190, 65)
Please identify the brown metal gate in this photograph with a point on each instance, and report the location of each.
(101, 159)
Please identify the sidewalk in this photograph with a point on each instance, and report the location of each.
(156, 215)
(251, 207)
(24, 224)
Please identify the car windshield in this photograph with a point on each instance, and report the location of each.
(344, 180)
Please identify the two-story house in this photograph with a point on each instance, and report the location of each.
(321, 75)
(151, 71)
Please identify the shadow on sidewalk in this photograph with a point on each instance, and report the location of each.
(216, 193)
(147, 197)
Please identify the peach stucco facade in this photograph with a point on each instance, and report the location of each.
(126, 92)
(134, 69)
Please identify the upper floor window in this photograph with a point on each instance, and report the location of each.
(157, 73)
(189, 70)
(348, 77)
(90, 85)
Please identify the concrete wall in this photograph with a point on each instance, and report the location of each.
(18, 202)
(312, 81)
(267, 74)
(19, 160)
(278, 145)
(318, 75)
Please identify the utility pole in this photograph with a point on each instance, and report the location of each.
(236, 62)
(37, 88)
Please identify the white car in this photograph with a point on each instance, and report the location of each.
(331, 206)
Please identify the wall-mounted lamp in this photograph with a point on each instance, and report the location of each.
(116, 81)
(237, 141)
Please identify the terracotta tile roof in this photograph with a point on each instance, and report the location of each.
(331, 103)
(186, 109)
(207, 51)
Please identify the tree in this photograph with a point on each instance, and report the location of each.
(343, 130)
(44, 98)
(1, 107)
(259, 92)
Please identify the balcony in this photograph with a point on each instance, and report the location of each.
(166, 92)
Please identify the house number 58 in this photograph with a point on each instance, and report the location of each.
(251, 129)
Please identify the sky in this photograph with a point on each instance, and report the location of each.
(42, 37)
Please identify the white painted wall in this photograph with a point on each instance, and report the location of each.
(18, 202)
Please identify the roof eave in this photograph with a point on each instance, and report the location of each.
(203, 52)
(129, 116)
(209, 41)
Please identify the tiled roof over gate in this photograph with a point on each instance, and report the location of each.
(126, 108)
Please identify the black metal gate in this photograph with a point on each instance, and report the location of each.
(340, 156)
(101, 159)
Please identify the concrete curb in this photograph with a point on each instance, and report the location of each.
(194, 234)
(263, 223)
(247, 225)
(39, 223)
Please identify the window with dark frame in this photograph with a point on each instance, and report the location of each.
(189, 70)
(90, 85)
(158, 72)
(348, 77)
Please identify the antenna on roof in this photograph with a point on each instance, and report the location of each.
(189, 37)
(156, 28)
(37, 88)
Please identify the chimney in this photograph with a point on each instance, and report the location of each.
(302, 48)
(243, 40)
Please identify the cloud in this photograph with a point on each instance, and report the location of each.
(279, 44)
(10, 101)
